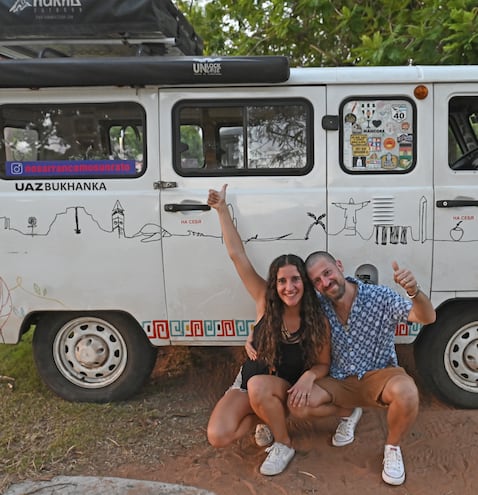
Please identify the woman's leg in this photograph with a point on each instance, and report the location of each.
(268, 399)
(231, 418)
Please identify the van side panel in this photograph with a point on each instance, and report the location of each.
(80, 243)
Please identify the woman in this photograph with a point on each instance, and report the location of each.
(290, 345)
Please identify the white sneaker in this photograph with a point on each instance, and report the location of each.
(279, 457)
(263, 435)
(393, 469)
(346, 430)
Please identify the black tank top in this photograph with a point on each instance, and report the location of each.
(291, 360)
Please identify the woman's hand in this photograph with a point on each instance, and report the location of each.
(299, 393)
(217, 199)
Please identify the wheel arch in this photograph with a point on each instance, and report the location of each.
(443, 309)
(38, 317)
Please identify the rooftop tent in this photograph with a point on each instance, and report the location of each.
(92, 28)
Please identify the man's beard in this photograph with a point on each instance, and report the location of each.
(338, 294)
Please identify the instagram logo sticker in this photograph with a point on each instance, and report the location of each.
(16, 168)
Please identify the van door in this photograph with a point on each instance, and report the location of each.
(260, 141)
(456, 189)
(379, 181)
(446, 354)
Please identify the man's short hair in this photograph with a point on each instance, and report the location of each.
(316, 255)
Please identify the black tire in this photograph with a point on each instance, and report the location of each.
(92, 357)
(446, 355)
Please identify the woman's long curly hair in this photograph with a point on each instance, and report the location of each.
(312, 317)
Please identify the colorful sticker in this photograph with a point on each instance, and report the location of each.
(399, 113)
(378, 134)
(389, 161)
(389, 143)
(68, 168)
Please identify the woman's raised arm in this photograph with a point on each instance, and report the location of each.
(253, 282)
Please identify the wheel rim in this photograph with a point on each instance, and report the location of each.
(90, 352)
(461, 357)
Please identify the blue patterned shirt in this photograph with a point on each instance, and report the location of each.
(367, 342)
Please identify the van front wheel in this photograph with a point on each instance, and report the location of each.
(446, 355)
(93, 357)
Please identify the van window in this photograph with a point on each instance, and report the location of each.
(463, 133)
(58, 141)
(243, 137)
(377, 135)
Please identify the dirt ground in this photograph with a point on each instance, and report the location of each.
(440, 452)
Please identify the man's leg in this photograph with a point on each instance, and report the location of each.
(401, 395)
(321, 403)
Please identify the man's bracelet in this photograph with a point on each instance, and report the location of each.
(413, 296)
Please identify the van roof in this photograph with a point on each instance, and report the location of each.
(413, 74)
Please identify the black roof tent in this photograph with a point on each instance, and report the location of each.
(86, 28)
(141, 71)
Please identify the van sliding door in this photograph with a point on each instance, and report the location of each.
(380, 197)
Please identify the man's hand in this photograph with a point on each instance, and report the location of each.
(405, 279)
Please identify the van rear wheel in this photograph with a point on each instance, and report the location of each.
(99, 357)
(446, 355)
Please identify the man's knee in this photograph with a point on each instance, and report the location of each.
(402, 390)
(298, 412)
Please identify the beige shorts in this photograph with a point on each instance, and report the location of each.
(236, 385)
(366, 392)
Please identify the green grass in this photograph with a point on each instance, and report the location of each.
(42, 435)
(40, 429)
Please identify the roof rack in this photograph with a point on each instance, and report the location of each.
(90, 28)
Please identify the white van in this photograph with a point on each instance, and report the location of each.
(110, 251)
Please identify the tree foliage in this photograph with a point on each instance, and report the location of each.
(340, 32)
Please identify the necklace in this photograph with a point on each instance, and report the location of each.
(288, 336)
(285, 331)
(343, 319)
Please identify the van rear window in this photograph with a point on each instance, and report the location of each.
(253, 137)
(58, 141)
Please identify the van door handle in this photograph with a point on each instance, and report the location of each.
(185, 207)
(455, 203)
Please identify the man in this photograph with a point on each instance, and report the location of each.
(364, 369)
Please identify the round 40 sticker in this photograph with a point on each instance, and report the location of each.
(399, 113)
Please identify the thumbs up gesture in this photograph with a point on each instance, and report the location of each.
(405, 278)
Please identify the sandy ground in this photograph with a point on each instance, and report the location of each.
(440, 453)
